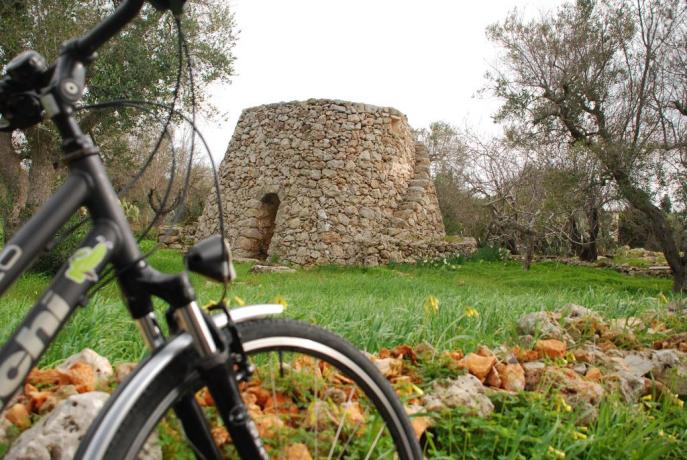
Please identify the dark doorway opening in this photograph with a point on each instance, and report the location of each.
(266, 220)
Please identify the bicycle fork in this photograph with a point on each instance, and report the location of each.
(217, 370)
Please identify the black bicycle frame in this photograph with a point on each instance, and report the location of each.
(110, 241)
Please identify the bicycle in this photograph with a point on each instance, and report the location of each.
(352, 411)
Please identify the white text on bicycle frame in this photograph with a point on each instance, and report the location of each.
(17, 366)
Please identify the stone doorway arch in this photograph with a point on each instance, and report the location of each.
(265, 223)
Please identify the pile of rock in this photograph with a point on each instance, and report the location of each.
(66, 399)
(646, 263)
(573, 353)
(174, 238)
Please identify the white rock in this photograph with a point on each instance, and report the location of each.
(542, 324)
(271, 269)
(57, 436)
(464, 391)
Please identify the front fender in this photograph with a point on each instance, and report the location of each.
(248, 313)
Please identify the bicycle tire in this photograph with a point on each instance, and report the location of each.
(266, 336)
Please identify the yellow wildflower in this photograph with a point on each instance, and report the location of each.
(431, 305)
(646, 398)
(417, 390)
(556, 453)
(579, 436)
(561, 404)
(471, 312)
(280, 300)
(239, 301)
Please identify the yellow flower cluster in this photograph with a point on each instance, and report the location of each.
(561, 405)
(555, 453)
(431, 305)
(280, 300)
(471, 312)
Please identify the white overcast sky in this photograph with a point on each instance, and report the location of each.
(425, 58)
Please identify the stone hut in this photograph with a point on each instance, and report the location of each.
(327, 182)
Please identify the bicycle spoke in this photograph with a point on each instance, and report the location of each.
(340, 427)
(374, 444)
(317, 418)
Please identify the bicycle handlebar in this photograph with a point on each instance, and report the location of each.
(89, 43)
(19, 106)
(125, 12)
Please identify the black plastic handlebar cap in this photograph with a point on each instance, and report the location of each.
(96, 37)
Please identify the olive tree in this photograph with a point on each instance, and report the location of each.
(606, 78)
(139, 64)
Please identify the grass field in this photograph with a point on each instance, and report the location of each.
(354, 302)
(385, 306)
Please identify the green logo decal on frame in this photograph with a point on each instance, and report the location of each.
(84, 262)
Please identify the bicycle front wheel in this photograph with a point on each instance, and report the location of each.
(313, 395)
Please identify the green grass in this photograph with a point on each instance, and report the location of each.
(528, 425)
(372, 307)
(385, 306)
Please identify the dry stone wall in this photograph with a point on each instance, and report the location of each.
(322, 182)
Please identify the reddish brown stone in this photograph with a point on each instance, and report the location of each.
(551, 348)
(525, 356)
(493, 379)
(18, 415)
(583, 356)
(477, 365)
(512, 376)
(483, 350)
(594, 374)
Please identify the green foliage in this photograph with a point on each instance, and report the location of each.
(666, 204)
(489, 254)
(141, 63)
(462, 212)
(131, 211)
(50, 262)
(528, 425)
(634, 230)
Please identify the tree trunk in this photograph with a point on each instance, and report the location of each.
(529, 253)
(585, 247)
(680, 279)
(14, 179)
(42, 175)
(658, 222)
(590, 251)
